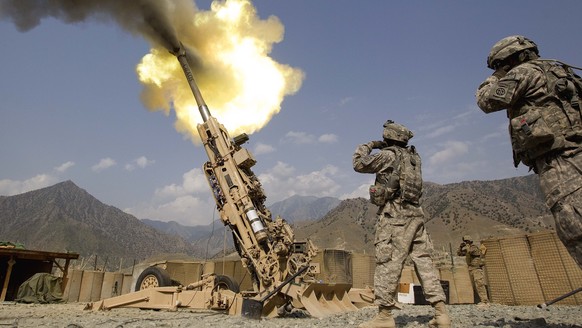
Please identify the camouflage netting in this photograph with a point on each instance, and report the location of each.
(40, 288)
(9, 244)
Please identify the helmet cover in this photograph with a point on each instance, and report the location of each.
(508, 46)
(396, 132)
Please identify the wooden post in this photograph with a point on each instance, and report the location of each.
(65, 271)
(11, 263)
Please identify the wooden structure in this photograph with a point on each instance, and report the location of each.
(17, 265)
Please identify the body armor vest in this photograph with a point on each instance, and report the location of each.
(550, 123)
(403, 179)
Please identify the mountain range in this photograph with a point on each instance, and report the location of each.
(303, 208)
(64, 217)
(482, 209)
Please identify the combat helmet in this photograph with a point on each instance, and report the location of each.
(396, 132)
(467, 238)
(508, 46)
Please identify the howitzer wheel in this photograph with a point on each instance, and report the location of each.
(225, 282)
(153, 277)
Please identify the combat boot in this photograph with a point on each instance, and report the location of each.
(384, 319)
(441, 316)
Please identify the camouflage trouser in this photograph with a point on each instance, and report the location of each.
(561, 183)
(479, 283)
(396, 239)
(568, 216)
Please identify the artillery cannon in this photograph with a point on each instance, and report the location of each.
(280, 267)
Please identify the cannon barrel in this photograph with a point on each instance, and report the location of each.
(180, 53)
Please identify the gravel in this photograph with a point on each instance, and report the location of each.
(72, 315)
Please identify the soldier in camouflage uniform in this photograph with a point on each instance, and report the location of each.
(400, 230)
(542, 99)
(474, 256)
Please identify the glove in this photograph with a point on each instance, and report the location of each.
(501, 72)
(376, 144)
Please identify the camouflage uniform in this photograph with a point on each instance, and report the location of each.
(524, 87)
(473, 255)
(400, 233)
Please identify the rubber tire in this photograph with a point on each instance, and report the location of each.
(162, 276)
(226, 282)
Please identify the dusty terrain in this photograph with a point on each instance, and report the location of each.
(72, 315)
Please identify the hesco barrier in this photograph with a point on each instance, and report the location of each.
(459, 281)
(90, 286)
(363, 270)
(557, 271)
(460, 285)
(521, 270)
(530, 269)
(335, 266)
(233, 269)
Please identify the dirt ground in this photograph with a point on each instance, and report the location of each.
(72, 315)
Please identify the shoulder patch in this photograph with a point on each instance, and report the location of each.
(504, 91)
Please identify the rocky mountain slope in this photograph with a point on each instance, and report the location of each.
(482, 209)
(300, 208)
(209, 239)
(485, 209)
(64, 217)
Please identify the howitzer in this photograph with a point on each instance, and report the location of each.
(267, 246)
(280, 267)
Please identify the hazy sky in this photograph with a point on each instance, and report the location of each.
(70, 105)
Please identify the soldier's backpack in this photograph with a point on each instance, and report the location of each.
(403, 179)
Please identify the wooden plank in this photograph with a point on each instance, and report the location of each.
(36, 255)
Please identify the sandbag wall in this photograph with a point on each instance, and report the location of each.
(531, 269)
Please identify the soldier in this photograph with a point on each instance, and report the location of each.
(542, 99)
(474, 256)
(400, 230)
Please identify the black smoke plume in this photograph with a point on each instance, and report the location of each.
(148, 18)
